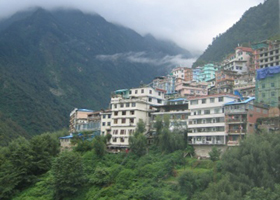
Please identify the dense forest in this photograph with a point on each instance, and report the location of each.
(35, 169)
(257, 24)
(54, 61)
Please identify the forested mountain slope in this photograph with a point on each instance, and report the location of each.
(258, 23)
(52, 62)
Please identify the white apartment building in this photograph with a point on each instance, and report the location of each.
(240, 61)
(179, 72)
(128, 107)
(106, 120)
(207, 119)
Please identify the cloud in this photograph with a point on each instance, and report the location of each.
(190, 23)
(145, 58)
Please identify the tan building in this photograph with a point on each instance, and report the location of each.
(184, 73)
(267, 53)
(225, 81)
(187, 89)
(240, 61)
(106, 121)
(128, 107)
(78, 119)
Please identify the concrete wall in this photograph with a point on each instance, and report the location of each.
(203, 150)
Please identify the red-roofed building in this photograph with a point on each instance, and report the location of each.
(240, 61)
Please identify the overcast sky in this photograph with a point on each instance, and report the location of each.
(190, 23)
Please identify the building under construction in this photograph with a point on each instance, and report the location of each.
(268, 86)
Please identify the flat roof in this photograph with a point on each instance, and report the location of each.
(241, 102)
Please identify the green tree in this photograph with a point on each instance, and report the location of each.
(68, 174)
(138, 142)
(44, 148)
(99, 146)
(215, 154)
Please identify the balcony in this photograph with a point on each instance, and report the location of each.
(236, 111)
(236, 131)
(236, 121)
(232, 143)
(206, 143)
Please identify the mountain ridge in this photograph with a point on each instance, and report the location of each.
(50, 63)
(256, 24)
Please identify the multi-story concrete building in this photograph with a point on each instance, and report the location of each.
(196, 72)
(225, 81)
(128, 107)
(178, 112)
(245, 84)
(79, 119)
(188, 74)
(267, 53)
(268, 86)
(241, 117)
(106, 121)
(183, 72)
(166, 83)
(186, 89)
(207, 121)
(240, 61)
(179, 72)
(207, 72)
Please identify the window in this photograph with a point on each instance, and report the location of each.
(132, 112)
(114, 139)
(115, 132)
(203, 101)
(129, 91)
(221, 99)
(263, 85)
(127, 105)
(133, 104)
(159, 101)
(136, 91)
(109, 116)
(130, 132)
(123, 121)
(212, 100)
(122, 132)
(150, 99)
(216, 110)
(208, 139)
(122, 139)
(131, 120)
(194, 102)
(263, 94)
(115, 105)
(273, 94)
(104, 116)
(159, 93)
(206, 112)
(150, 92)
(115, 121)
(103, 123)
(142, 91)
(108, 123)
(121, 105)
(123, 112)
(116, 113)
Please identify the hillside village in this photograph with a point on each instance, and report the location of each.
(219, 104)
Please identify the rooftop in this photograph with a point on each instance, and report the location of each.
(240, 102)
